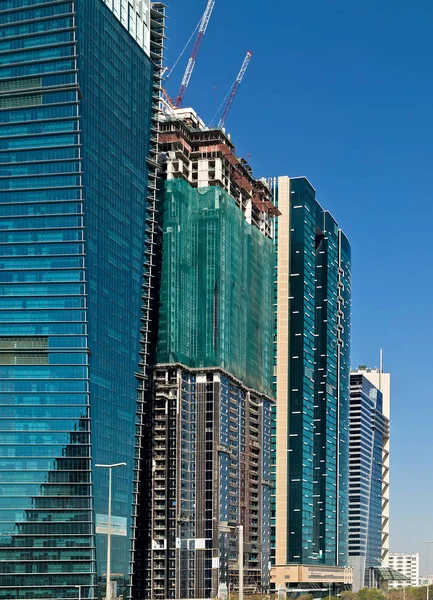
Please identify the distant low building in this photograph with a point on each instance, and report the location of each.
(408, 564)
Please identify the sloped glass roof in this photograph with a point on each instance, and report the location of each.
(387, 574)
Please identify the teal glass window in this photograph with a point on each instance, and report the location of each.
(73, 193)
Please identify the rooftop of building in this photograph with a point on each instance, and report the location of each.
(190, 147)
(297, 177)
(365, 369)
(195, 124)
(274, 180)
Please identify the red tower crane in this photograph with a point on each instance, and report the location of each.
(191, 62)
(234, 89)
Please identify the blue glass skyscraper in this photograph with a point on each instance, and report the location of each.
(311, 415)
(76, 232)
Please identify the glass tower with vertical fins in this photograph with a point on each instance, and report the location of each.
(310, 432)
(369, 432)
(76, 109)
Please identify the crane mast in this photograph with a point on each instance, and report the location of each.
(234, 90)
(191, 62)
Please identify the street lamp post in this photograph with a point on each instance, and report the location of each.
(375, 579)
(110, 468)
(428, 580)
(79, 591)
(241, 561)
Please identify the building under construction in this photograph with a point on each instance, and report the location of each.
(209, 416)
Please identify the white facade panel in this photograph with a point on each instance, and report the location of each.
(135, 17)
(408, 564)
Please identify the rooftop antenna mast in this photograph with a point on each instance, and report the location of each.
(380, 369)
(191, 62)
(234, 90)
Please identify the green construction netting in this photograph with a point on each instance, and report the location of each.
(216, 286)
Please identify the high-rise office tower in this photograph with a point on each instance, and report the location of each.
(78, 84)
(311, 436)
(368, 437)
(382, 381)
(210, 429)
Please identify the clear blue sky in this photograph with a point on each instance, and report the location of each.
(342, 92)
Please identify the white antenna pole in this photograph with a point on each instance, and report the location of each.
(380, 369)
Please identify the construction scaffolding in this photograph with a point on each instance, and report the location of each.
(216, 286)
(211, 472)
(207, 157)
(207, 413)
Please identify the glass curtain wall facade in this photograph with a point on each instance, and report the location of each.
(368, 428)
(310, 430)
(75, 110)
